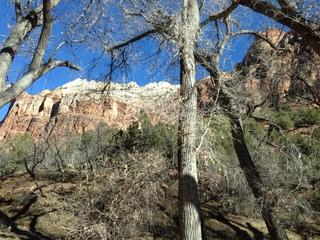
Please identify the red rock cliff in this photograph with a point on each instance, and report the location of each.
(81, 105)
(266, 75)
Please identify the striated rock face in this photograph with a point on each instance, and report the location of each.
(81, 105)
(267, 76)
(274, 75)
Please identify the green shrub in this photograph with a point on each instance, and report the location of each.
(316, 134)
(284, 120)
(142, 136)
(287, 117)
(286, 107)
(302, 144)
(219, 139)
(87, 138)
(315, 201)
(253, 131)
(21, 151)
(23, 145)
(311, 116)
(94, 145)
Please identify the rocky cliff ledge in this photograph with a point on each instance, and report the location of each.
(80, 105)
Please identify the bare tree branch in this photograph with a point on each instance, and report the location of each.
(30, 77)
(205, 58)
(18, 10)
(307, 29)
(44, 37)
(288, 8)
(224, 14)
(64, 43)
(132, 40)
(21, 29)
(133, 14)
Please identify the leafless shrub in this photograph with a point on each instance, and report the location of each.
(134, 198)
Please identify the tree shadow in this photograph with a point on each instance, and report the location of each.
(33, 224)
(228, 229)
(256, 233)
(30, 199)
(165, 232)
(10, 222)
(232, 225)
(188, 195)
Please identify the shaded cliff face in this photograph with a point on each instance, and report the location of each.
(290, 72)
(81, 105)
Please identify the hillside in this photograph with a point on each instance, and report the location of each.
(64, 212)
(96, 160)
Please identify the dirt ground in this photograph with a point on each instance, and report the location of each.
(54, 212)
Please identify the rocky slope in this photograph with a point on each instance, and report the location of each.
(267, 76)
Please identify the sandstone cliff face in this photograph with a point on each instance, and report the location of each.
(274, 75)
(267, 75)
(81, 105)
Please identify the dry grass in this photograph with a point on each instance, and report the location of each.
(136, 200)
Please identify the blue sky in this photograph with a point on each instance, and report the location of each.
(140, 74)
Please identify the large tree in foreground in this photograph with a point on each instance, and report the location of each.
(189, 208)
(182, 31)
(32, 21)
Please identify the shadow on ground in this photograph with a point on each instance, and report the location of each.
(216, 226)
(10, 223)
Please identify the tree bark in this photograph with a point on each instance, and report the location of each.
(11, 47)
(189, 208)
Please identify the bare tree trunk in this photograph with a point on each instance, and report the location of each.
(266, 201)
(11, 47)
(264, 198)
(189, 208)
